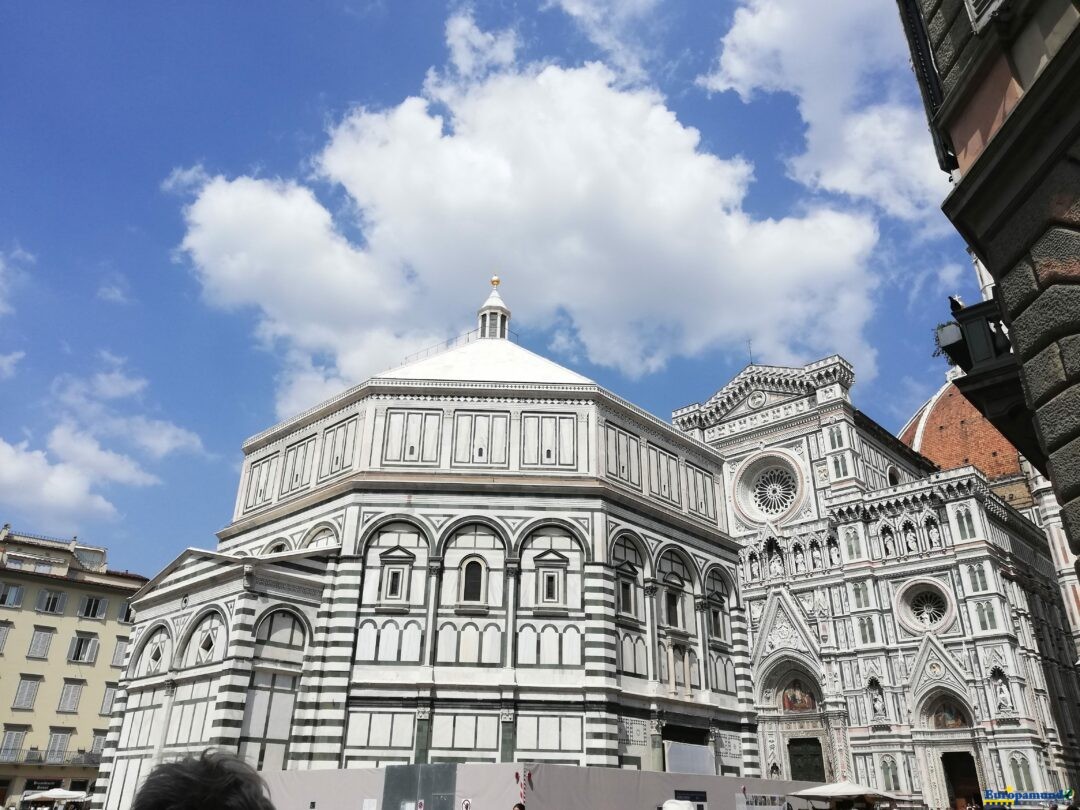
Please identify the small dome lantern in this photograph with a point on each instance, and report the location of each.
(494, 316)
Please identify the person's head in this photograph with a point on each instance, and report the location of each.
(519, 806)
(214, 781)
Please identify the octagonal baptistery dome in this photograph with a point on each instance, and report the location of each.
(446, 562)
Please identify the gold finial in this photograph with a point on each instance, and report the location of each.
(495, 282)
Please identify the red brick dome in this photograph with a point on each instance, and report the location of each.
(949, 431)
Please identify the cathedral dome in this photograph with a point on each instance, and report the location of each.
(951, 432)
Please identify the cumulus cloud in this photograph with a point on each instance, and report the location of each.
(8, 362)
(472, 51)
(865, 133)
(613, 26)
(601, 210)
(98, 403)
(58, 495)
(84, 452)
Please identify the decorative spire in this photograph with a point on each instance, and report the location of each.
(494, 315)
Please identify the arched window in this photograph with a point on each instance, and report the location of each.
(977, 577)
(629, 570)
(852, 544)
(894, 477)
(281, 629)
(867, 630)
(674, 575)
(965, 524)
(206, 642)
(277, 547)
(324, 538)
(889, 775)
(861, 594)
(836, 437)
(472, 581)
(987, 616)
(716, 596)
(156, 656)
(1021, 772)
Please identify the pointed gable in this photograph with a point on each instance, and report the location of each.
(934, 666)
(783, 629)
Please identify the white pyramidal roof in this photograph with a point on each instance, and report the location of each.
(487, 360)
(487, 356)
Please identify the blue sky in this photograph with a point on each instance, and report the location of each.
(213, 215)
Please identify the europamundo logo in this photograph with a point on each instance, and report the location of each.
(1008, 797)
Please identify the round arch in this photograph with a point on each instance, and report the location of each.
(526, 531)
(729, 581)
(180, 648)
(314, 531)
(638, 542)
(380, 523)
(277, 541)
(454, 526)
(676, 549)
(147, 634)
(282, 608)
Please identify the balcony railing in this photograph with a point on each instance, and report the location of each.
(35, 756)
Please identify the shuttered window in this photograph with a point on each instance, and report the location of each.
(51, 601)
(119, 652)
(40, 642)
(70, 695)
(93, 607)
(5, 628)
(10, 595)
(26, 693)
(12, 744)
(83, 649)
(58, 745)
(108, 698)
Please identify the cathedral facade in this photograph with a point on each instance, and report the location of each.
(481, 556)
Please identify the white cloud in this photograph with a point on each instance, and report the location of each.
(114, 289)
(613, 26)
(599, 208)
(8, 362)
(97, 404)
(939, 281)
(57, 495)
(12, 265)
(83, 451)
(846, 62)
(474, 52)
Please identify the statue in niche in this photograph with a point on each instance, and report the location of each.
(800, 560)
(1004, 699)
(815, 557)
(933, 534)
(877, 702)
(834, 554)
(910, 540)
(887, 542)
(755, 569)
(776, 565)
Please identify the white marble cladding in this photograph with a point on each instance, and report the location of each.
(569, 439)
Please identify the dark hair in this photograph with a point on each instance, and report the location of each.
(214, 781)
(519, 806)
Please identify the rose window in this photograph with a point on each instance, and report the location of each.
(774, 491)
(928, 608)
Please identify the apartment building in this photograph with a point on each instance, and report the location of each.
(64, 629)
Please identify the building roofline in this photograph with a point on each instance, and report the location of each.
(883, 435)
